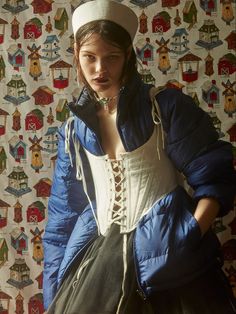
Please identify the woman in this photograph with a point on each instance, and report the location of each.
(123, 235)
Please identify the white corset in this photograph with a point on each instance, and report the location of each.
(144, 175)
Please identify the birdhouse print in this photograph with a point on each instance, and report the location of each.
(18, 212)
(2, 68)
(163, 50)
(143, 23)
(145, 52)
(18, 182)
(3, 213)
(174, 84)
(161, 22)
(43, 187)
(60, 74)
(51, 140)
(209, 68)
(15, 30)
(227, 64)
(2, 30)
(35, 67)
(39, 279)
(177, 19)
(229, 97)
(189, 65)
(50, 51)
(17, 148)
(147, 76)
(143, 3)
(231, 40)
(15, 6)
(36, 158)
(42, 6)
(170, 3)
(231, 271)
(16, 120)
(43, 96)
(19, 304)
(34, 120)
(4, 302)
(16, 90)
(210, 93)
(50, 117)
(48, 26)
(232, 135)
(3, 252)
(190, 13)
(70, 49)
(209, 35)
(229, 250)
(62, 110)
(3, 120)
(227, 11)
(209, 6)
(61, 20)
(35, 304)
(20, 274)
(16, 56)
(3, 159)
(36, 212)
(37, 245)
(19, 240)
(179, 44)
(33, 29)
(216, 122)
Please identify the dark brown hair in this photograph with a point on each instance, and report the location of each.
(113, 34)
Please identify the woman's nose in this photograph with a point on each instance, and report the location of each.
(100, 65)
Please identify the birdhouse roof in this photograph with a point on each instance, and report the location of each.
(16, 233)
(4, 296)
(4, 204)
(3, 242)
(3, 112)
(19, 265)
(60, 64)
(208, 27)
(189, 57)
(59, 13)
(3, 21)
(51, 130)
(179, 32)
(35, 21)
(61, 104)
(51, 39)
(38, 204)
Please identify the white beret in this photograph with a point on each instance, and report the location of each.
(105, 10)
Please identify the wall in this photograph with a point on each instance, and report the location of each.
(188, 44)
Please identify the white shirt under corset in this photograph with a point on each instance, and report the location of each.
(142, 177)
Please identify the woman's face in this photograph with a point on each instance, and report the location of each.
(102, 65)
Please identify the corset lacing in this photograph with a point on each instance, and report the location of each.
(119, 215)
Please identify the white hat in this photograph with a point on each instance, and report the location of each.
(105, 10)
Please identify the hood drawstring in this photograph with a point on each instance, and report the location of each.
(70, 133)
(156, 117)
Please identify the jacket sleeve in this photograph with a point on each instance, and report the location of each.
(193, 145)
(66, 203)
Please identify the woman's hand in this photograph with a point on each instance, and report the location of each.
(205, 213)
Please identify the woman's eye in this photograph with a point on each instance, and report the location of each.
(89, 57)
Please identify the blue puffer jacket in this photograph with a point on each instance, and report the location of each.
(168, 247)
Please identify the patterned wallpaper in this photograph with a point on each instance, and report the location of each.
(186, 44)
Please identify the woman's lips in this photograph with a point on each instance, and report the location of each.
(100, 80)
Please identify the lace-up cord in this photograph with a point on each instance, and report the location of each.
(118, 211)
